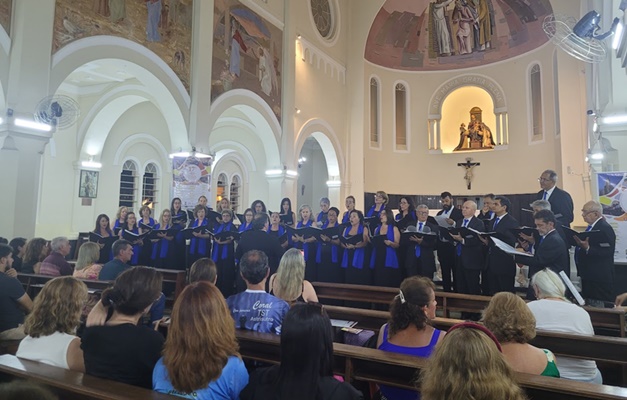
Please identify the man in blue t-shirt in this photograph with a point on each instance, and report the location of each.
(122, 254)
(254, 309)
(14, 301)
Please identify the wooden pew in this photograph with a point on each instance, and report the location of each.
(73, 385)
(370, 365)
(178, 277)
(613, 319)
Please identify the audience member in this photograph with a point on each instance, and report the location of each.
(122, 254)
(554, 313)
(24, 390)
(4, 240)
(51, 326)
(55, 264)
(200, 358)
(19, 247)
(514, 325)
(13, 299)
(468, 365)
(122, 350)
(86, 265)
(306, 369)
(289, 282)
(204, 269)
(36, 250)
(254, 309)
(408, 330)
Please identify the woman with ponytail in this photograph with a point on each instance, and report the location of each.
(122, 350)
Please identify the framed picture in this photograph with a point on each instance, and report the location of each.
(88, 187)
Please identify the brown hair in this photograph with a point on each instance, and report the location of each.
(468, 365)
(203, 269)
(32, 253)
(57, 308)
(198, 208)
(133, 290)
(201, 338)
(509, 318)
(417, 294)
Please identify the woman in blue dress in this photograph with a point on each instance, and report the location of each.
(329, 254)
(247, 223)
(354, 258)
(384, 260)
(350, 206)
(223, 255)
(308, 245)
(131, 226)
(200, 244)
(162, 254)
(179, 222)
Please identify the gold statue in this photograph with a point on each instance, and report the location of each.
(478, 136)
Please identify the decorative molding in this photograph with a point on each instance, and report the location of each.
(483, 81)
(309, 51)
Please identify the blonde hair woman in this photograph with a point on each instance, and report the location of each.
(51, 326)
(468, 347)
(513, 324)
(86, 267)
(289, 282)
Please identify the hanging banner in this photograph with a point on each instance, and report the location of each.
(612, 194)
(191, 179)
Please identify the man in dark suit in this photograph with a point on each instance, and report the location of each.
(445, 247)
(561, 202)
(595, 256)
(548, 252)
(501, 268)
(469, 251)
(258, 239)
(423, 260)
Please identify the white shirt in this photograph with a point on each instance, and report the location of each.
(51, 349)
(549, 192)
(565, 317)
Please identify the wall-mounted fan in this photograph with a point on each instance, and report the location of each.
(59, 111)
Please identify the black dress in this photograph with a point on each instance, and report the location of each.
(328, 258)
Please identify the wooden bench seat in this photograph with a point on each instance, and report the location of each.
(370, 365)
(607, 319)
(70, 385)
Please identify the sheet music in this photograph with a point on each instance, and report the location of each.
(341, 323)
(507, 248)
(441, 220)
(572, 289)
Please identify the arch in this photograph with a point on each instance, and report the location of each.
(139, 138)
(266, 124)
(485, 82)
(158, 79)
(320, 130)
(227, 147)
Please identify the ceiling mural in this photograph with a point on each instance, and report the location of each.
(423, 35)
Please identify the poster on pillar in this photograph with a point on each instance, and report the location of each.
(612, 194)
(191, 178)
(5, 15)
(162, 26)
(247, 54)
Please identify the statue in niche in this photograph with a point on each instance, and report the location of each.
(477, 136)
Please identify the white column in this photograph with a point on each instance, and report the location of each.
(437, 133)
(499, 134)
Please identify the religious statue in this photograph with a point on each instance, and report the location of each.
(468, 166)
(478, 136)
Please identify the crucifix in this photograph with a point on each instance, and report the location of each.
(468, 165)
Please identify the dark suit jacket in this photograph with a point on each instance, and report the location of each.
(427, 257)
(597, 265)
(472, 256)
(561, 203)
(550, 253)
(499, 262)
(260, 240)
(456, 215)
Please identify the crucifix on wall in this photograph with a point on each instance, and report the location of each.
(468, 165)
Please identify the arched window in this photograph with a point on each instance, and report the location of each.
(535, 86)
(222, 184)
(400, 117)
(128, 185)
(556, 95)
(235, 192)
(149, 186)
(374, 113)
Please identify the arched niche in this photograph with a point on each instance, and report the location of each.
(482, 82)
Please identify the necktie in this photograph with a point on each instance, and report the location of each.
(465, 223)
(496, 222)
(418, 246)
(544, 197)
(589, 228)
(459, 245)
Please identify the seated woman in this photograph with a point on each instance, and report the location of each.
(37, 249)
(554, 313)
(204, 269)
(513, 324)
(120, 349)
(289, 282)
(200, 358)
(468, 346)
(51, 326)
(86, 264)
(306, 369)
(408, 330)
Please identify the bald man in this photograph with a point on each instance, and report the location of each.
(470, 258)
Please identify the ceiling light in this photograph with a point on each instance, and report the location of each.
(618, 35)
(25, 123)
(290, 172)
(615, 119)
(91, 164)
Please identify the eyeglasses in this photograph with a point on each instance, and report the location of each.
(586, 212)
(422, 212)
(544, 179)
